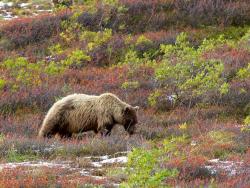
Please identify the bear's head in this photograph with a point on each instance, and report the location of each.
(129, 114)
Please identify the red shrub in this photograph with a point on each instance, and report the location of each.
(24, 31)
(161, 14)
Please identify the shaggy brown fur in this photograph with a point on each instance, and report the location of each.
(79, 113)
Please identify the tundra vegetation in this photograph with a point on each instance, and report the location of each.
(185, 63)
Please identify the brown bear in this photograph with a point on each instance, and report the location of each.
(79, 113)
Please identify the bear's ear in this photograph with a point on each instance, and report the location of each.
(136, 108)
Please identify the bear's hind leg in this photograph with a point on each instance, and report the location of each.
(64, 132)
(65, 135)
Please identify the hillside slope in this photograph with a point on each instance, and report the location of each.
(185, 63)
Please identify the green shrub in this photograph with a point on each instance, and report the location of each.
(53, 69)
(134, 61)
(56, 49)
(76, 58)
(14, 156)
(130, 85)
(145, 167)
(71, 29)
(244, 73)
(221, 137)
(142, 40)
(184, 72)
(22, 72)
(245, 40)
(153, 97)
(246, 125)
(95, 39)
(2, 83)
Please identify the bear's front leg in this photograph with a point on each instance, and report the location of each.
(105, 123)
(102, 132)
(108, 133)
(109, 127)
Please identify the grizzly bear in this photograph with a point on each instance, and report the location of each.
(78, 113)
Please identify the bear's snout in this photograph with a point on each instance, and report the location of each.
(131, 132)
(130, 127)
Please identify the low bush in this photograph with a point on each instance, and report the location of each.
(21, 32)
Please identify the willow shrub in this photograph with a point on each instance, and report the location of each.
(147, 167)
(184, 73)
